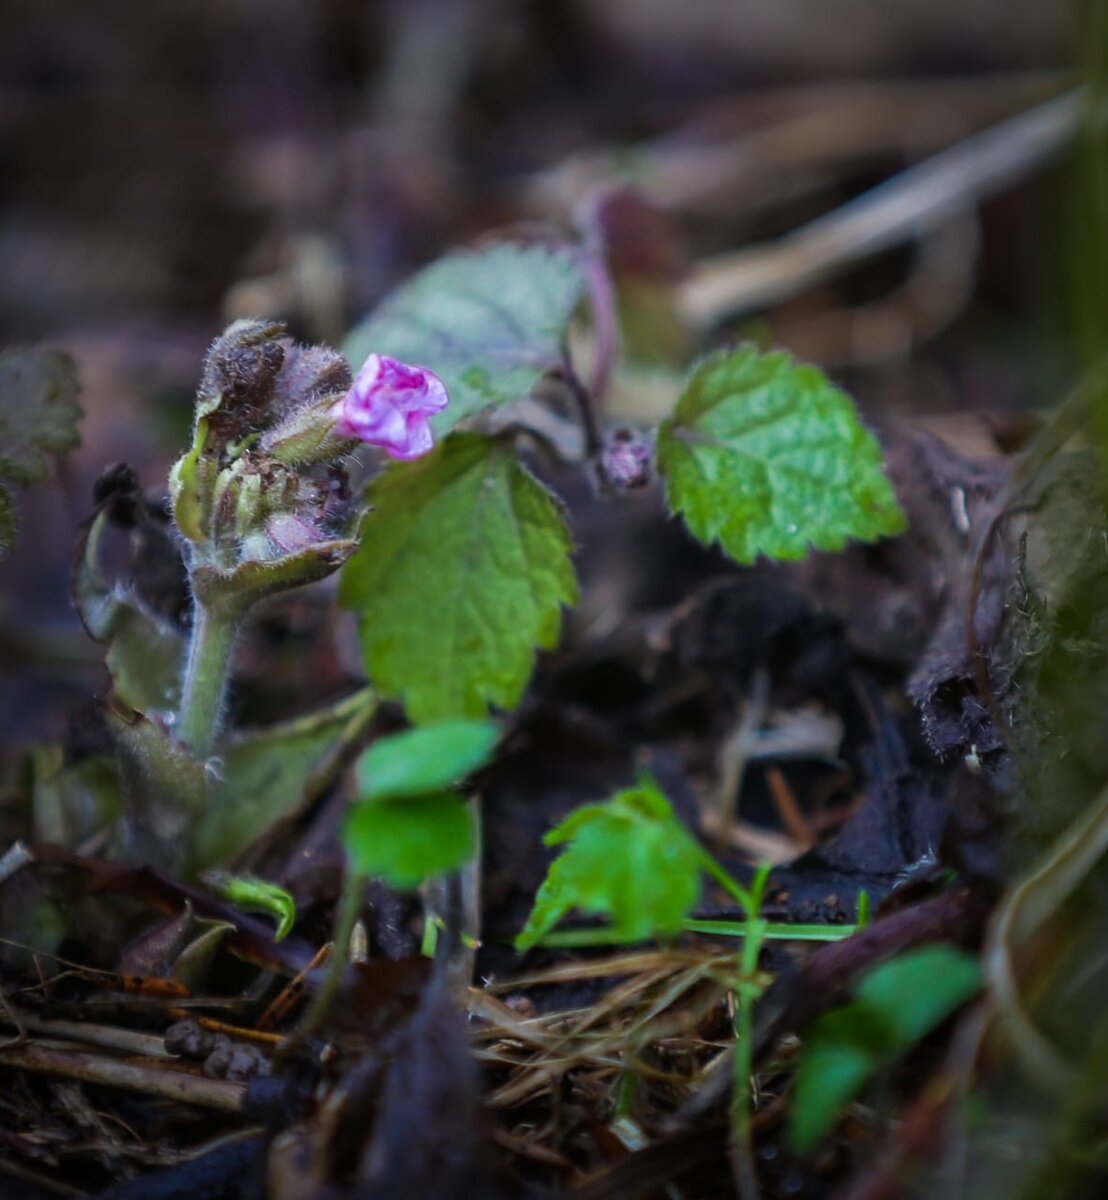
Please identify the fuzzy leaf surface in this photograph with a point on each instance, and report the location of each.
(264, 775)
(424, 760)
(462, 572)
(765, 456)
(488, 322)
(896, 1004)
(407, 841)
(629, 858)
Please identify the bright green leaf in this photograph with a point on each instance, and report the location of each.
(38, 417)
(896, 1004)
(424, 760)
(251, 894)
(462, 572)
(408, 841)
(630, 859)
(488, 322)
(767, 457)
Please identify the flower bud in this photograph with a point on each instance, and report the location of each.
(625, 460)
(390, 405)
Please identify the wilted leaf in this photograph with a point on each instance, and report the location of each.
(488, 322)
(145, 651)
(630, 859)
(462, 572)
(407, 841)
(425, 760)
(766, 457)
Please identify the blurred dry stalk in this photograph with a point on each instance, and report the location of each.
(796, 142)
(919, 200)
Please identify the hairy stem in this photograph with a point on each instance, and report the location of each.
(209, 661)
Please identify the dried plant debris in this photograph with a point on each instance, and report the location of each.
(38, 418)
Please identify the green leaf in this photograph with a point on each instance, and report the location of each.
(462, 572)
(425, 760)
(896, 1004)
(915, 991)
(630, 859)
(835, 1064)
(488, 322)
(408, 841)
(38, 417)
(767, 457)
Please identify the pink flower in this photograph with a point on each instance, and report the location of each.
(389, 406)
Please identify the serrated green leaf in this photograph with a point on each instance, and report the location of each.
(488, 322)
(766, 457)
(38, 417)
(425, 760)
(407, 841)
(896, 1004)
(463, 568)
(629, 858)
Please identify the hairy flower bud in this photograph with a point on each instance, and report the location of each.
(625, 459)
(390, 405)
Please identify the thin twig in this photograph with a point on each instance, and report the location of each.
(110, 1072)
(110, 1036)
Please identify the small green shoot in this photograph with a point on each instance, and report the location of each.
(895, 1005)
(629, 859)
(250, 894)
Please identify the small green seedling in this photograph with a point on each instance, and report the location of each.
(251, 894)
(629, 859)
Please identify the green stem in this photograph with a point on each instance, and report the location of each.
(728, 882)
(206, 676)
(578, 939)
(743, 1063)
